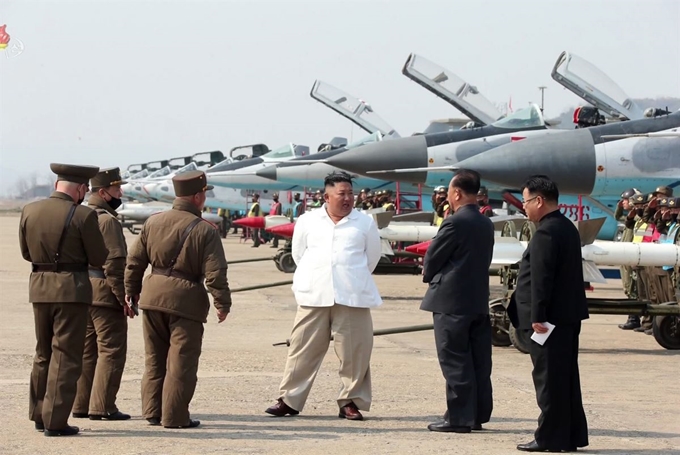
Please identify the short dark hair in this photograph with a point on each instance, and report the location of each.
(467, 180)
(337, 177)
(541, 185)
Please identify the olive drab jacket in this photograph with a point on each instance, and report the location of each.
(178, 289)
(108, 283)
(40, 230)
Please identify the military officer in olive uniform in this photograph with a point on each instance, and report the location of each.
(60, 238)
(183, 250)
(106, 337)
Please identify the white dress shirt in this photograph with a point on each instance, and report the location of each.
(335, 261)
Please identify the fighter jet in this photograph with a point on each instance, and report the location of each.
(300, 171)
(601, 161)
(241, 174)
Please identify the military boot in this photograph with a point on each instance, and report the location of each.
(633, 322)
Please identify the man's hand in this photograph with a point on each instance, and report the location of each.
(128, 311)
(221, 316)
(539, 327)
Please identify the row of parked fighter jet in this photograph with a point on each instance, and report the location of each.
(592, 164)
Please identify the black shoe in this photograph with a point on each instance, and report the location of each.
(630, 324)
(640, 329)
(113, 416)
(477, 427)
(534, 447)
(39, 426)
(68, 431)
(80, 415)
(649, 332)
(191, 424)
(154, 421)
(445, 427)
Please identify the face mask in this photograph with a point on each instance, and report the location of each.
(82, 199)
(114, 203)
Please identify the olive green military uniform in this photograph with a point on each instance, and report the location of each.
(60, 291)
(106, 337)
(174, 300)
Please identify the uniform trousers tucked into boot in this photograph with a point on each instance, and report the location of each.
(103, 361)
(172, 346)
(352, 330)
(60, 333)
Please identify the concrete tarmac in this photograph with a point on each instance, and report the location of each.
(629, 382)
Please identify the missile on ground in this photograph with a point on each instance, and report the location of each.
(282, 230)
(262, 222)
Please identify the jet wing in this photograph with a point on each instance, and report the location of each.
(451, 88)
(354, 109)
(594, 86)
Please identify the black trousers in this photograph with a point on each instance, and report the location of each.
(464, 350)
(562, 423)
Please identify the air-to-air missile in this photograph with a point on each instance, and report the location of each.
(262, 222)
(140, 212)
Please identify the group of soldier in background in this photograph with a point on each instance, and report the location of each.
(651, 217)
(442, 208)
(366, 200)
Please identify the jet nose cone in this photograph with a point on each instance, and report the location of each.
(567, 158)
(408, 152)
(268, 172)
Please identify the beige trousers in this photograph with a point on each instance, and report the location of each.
(352, 330)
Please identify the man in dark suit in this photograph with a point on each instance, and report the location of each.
(550, 288)
(456, 267)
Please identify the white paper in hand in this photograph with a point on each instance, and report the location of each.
(540, 338)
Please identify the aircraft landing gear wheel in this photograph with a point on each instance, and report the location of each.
(521, 340)
(286, 263)
(666, 331)
(499, 337)
(527, 231)
(277, 263)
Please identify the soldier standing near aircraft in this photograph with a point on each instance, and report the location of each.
(106, 337)
(299, 207)
(60, 238)
(441, 205)
(626, 213)
(255, 211)
(183, 250)
(275, 209)
(483, 202)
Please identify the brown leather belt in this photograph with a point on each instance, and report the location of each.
(96, 273)
(177, 274)
(56, 268)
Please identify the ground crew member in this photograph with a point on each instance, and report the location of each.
(299, 207)
(183, 250)
(387, 203)
(254, 211)
(106, 336)
(275, 209)
(626, 213)
(441, 207)
(483, 202)
(60, 238)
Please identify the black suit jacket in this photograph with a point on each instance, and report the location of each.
(457, 264)
(550, 282)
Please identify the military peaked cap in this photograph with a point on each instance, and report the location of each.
(666, 191)
(107, 177)
(663, 202)
(190, 183)
(483, 191)
(639, 199)
(74, 173)
(674, 202)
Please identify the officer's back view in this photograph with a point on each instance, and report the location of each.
(60, 238)
(183, 250)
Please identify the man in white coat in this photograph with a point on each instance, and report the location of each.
(336, 249)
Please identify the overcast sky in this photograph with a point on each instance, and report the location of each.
(113, 83)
